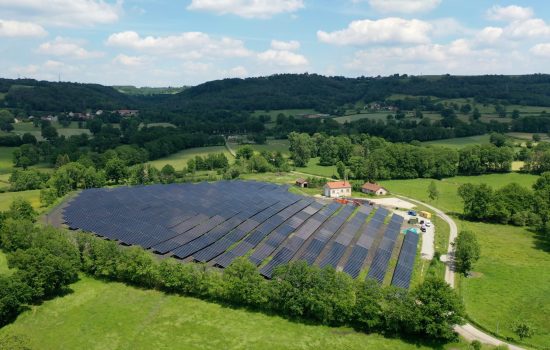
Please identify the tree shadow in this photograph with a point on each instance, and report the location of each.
(541, 241)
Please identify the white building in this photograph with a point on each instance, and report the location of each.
(336, 189)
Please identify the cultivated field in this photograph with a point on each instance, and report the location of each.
(460, 142)
(314, 168)
(179, 160)
(270, 146)
(101, 315)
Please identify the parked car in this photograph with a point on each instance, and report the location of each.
(428, 223)
(423, 228)
(412, 213)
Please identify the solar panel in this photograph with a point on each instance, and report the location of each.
(405, 262)
(383, 254)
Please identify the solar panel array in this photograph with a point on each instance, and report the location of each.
(383, 254)
(218, 222)
(343, 240)
(360, 251)
(323, 235)
(405, 263)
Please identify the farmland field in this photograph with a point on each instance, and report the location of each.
(314, 168)
(288, 112)
(3, 264)
(354, 117)
(100, 315)
(179, 160)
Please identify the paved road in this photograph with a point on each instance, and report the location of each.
(467, 331)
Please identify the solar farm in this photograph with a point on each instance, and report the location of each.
(215, 223)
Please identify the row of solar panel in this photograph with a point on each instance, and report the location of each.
(383, 254)
(405, 263)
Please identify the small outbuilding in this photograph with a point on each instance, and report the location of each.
(301, 183)
(336, 189)
(372, 188)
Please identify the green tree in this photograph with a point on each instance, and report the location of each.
(243, 285)
(433, 192)
(115, 170)
(301, 148)
(49, 133)
(168, 173)
(22, 209)
(16, 234)
(467, 251)
(475, 114)
(536, 138)
(523, 329)
(439, 308)
(341, 169)
(498, 140)
(245, 152)
(14, 294)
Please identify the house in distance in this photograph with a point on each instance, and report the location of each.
(373, 188)
(301, 183)
(336, 189)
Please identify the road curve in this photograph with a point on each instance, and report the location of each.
(467, 331)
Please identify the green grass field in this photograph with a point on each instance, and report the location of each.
(32, 196)
(179, 160)
(448, 199)
(4, 270)
(270, 146)
(72, 129)
(288, 112)
(512, 281)
(353, 117)
(100, 315)
(460, 142)
(314, 168)
(511, 284)
(6, 159)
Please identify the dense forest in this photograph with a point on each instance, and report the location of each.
(281, 91)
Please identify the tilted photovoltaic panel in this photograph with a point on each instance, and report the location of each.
(405, 263)
(383, 254)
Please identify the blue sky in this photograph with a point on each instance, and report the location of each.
(187, 42)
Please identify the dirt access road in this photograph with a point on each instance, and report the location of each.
(467, 331)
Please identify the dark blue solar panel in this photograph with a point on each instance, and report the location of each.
(383, 254)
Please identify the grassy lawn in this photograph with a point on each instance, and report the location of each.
(4, 270)
(314, 168)
(353, 117)
(32, 196)
(270, 146)
(72, 129)
(288, 112)
(510, 281)
(460, 142)
(448, 199)
(513, 281)
(179, 159)
(6, 159)
(100, 315)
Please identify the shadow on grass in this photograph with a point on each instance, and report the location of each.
(541, 240)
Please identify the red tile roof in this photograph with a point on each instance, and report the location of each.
(338, 184)
(371, 187)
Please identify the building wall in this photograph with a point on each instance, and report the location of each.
(335, 193)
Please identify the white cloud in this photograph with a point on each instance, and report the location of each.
(285, 45)
(48, 70)
(489, 35)
(403, 6)
(386, 30)
(131, 61)
(237, 72)
(247, 8)
(541, 50)
(509, 13)
(283, 58)
(188, 45)
(66, 47)
(19, 29)
(530, 28)
(71, 13)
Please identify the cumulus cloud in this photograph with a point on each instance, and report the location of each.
(131, 61)
(386, 30)
(66, 47)
(247, 8)
(285, 45)
(188, 45)
(48, 70)
(509, 13)
(70, 13)
(403, 6)
(237, 72)
(20, 29)
(541, 50)
(530, 28)
(283, 58)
